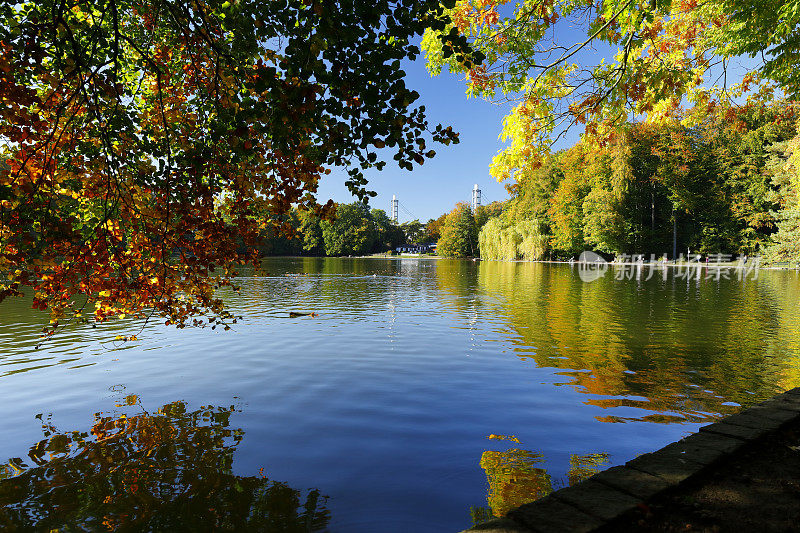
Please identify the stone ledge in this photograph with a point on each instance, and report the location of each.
(550, 515)
(669, 467)
(631, 481)
(774, 413)
(751, 419)
(596, 499)
(501, 525)
(782, 404)
(714, 441)
(739, 432)
(605, 496)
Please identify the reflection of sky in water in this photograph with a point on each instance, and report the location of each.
(385, 400)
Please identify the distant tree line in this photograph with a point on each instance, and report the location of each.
(356, 229)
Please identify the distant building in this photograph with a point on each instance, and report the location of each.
(416, 248)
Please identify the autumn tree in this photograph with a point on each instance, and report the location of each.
(459, 236)
(721, 185)
(388, 234)
(533, 191)
(433, 229)
(698, 170)
(280, 235)
(484, 212)
(352, 232)
(139, 137)
(737, 142)
(634, 58)
(505, 239)
(783, 167)
(413, 231)
(565, 212)
(597, 65)
(311, 231)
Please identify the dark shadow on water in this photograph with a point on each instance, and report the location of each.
(163, 471)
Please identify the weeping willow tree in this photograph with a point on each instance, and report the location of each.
(501, 239)
(784, 167)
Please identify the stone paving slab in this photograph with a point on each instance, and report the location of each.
(501, 525)
(778, 403)
(772, 413)
(786, 402)
(671, 469)
(751, 420)
(549, 515)
(731, 430)
(633, 482)
(791, 398)
(691, 452)
(713, 440)
(596, 499)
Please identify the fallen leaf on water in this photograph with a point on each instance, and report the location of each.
(503, 437)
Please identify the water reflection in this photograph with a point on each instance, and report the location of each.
(168, 471)
(24, 349)
(681, 349)
(517, 476)
(407, 359)
(688, 350)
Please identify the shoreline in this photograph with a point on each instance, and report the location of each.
(653, 265)
(612, 498)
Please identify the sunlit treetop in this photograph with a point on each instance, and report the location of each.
(140, 137)
(598, 64)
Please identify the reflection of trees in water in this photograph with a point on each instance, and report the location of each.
(784, 290)
(676, 347)
(457, 282)
(516, 476)
(165, 471)
(355, 286)
(21, 336)
(585, 466)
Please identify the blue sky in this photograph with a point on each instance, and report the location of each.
(434, 188)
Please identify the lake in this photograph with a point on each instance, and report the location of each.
(424, 396)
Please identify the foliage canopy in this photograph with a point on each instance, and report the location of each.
(726, 185)
(140, 138)
(459, 233)
(600, 63)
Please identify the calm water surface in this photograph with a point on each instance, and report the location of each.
(425, 395)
